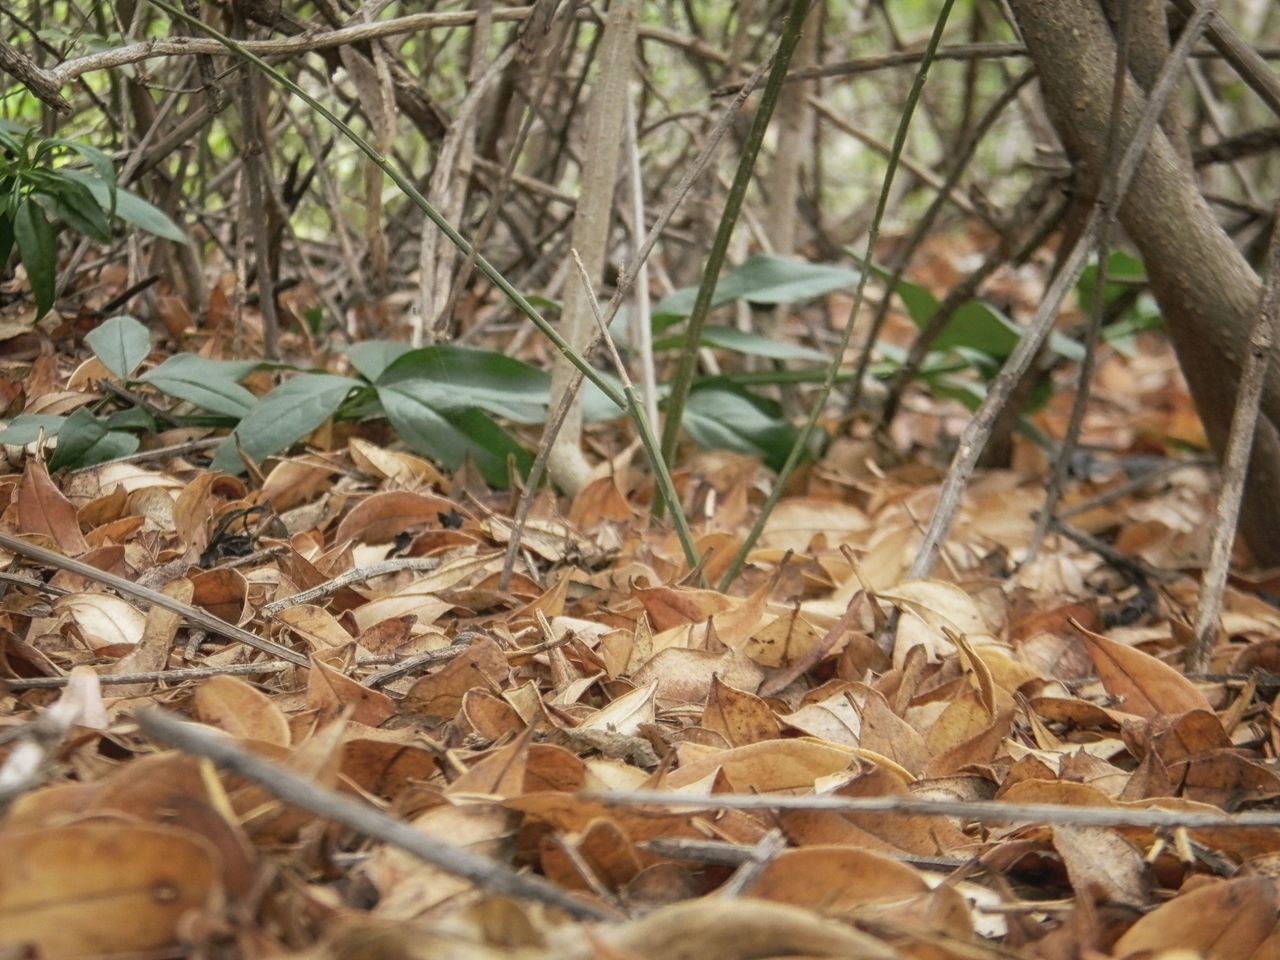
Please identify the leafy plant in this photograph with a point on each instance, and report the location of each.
(441, 400)
(445, 401)
(39, 190)
(1130, 307)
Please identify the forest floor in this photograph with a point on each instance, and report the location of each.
(603, 758)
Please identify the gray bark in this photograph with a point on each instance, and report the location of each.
(1207, 291)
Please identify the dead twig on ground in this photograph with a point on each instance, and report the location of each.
(489, 875)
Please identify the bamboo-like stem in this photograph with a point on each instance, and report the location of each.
(806, 431)
(683, 380)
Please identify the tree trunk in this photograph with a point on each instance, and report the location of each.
(1207, 291)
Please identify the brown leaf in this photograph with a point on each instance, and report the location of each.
(233, 705)
(439, 694)
(1142, 683)
(384, 516)
(1101, 863)
(684, 675)
(1226, 920)
(740, 717)
(836, 878)
(104, 887)
(766, 766)
(43, 510)
(152, 650)
(733, 930)
(331, 693)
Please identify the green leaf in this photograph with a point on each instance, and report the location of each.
(131, 418)
(971, 393)
(25, 428)
(451, 379)
(1123, 271)
(423, 427)
(78, 436)
(130, 207)
(114, 444)
(980, 326)
(74, 205)
(212, 385)
(284, 416)
(729, 338)
(39, 252)
(101, 164)
(121, 343)
(920, 303)
(490, 447)
(449, 438)
(765, 279)
(371, 357)
(729, 418)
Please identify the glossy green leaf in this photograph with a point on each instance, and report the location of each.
(423, 427)
(212, 385)
(121, 343)
(6, 239)
(729, 418)
(450, 437)
(101, 164)
(81, 432)
(283, 417)
(451, 379)
(1124, 271)
(38, 249)
(131, 418)
(490, 447)
(764, 279)
(371, 357)
(74, 205)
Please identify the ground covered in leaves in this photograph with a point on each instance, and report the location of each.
(515, 723)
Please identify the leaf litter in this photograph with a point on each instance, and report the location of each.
(1028, 772)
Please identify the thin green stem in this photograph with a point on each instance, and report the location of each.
(683, 380)
(806, 431)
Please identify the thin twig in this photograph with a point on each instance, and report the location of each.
(625, 281)
(154, 676)
(974, 437)
(801, 444)
(920, 230)
(489, 875)
(354, 575)
(1235, 461)
(200, 618)
(750, 869)
(977, 811)
(682, 379)
(1084, 379)
(720, 853)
